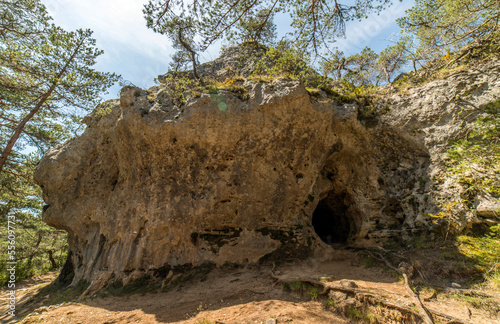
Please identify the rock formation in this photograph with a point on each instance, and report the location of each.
(150, 185)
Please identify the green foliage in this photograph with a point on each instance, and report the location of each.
(444, 26)
(490, 305)
(313, 293)
(46, 84)
(484, 249)
(315, 93)
(35, 19)
(296, 285)
(38, 247)
(185, 88)
(355, 314)
(181, 31)
(47, 80)
(471, 258)
(393, 58)
(358, 69)
(181, 85)
(314, 23)
(330, 303)
(361, 315)
(255, 27)
(494, 231)
(370, 262)
(103, 109)
(475, 161)
(284, 60)
(235, 86)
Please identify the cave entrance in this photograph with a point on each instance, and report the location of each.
(331, 220)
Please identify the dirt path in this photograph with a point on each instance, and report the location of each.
(237, 296)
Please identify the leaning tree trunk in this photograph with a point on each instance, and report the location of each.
(19, 129)
(387, 76)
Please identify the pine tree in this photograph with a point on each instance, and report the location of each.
(254, 27)
(46, 84)
(314, 22)
(445, 26)
(358, 69)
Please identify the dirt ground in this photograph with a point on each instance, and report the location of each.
(234, 296)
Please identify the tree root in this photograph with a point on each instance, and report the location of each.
(423, 311)
(375, 299)
(468, 292)
(364, 295)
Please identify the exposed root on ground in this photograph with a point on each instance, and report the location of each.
(424, 313)
(375, 299)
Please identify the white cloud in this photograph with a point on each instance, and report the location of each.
(130, 48)
(115, 21)
(139, 54)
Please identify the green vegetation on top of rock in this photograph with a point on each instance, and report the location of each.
(475, 160)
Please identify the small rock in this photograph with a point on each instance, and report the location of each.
(271, 321)
(337, 296)
(348, 283)
(347, 305)
(488, 207)
(350, 302)
(455, 285)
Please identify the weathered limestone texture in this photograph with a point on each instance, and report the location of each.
(149, 185)
(443, 111)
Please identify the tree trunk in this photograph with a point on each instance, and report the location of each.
(340, 68)
(19, 129)
(51, 259)
(188, 48)
(193, 59)
(387, 76)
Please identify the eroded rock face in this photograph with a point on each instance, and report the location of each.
(149, 185)
(439, 113)
(220, 180)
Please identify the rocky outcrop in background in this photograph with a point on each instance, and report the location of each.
(150, 185)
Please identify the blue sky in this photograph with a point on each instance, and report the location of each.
(140, 55)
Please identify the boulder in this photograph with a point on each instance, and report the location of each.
(283, 175)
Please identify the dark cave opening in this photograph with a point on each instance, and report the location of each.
(331, 220)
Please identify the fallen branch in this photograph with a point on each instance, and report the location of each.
(451, 319)
(425, 315)
(372, 298)
(427, 318)
(434, 295)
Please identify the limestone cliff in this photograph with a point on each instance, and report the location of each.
(282, 175)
